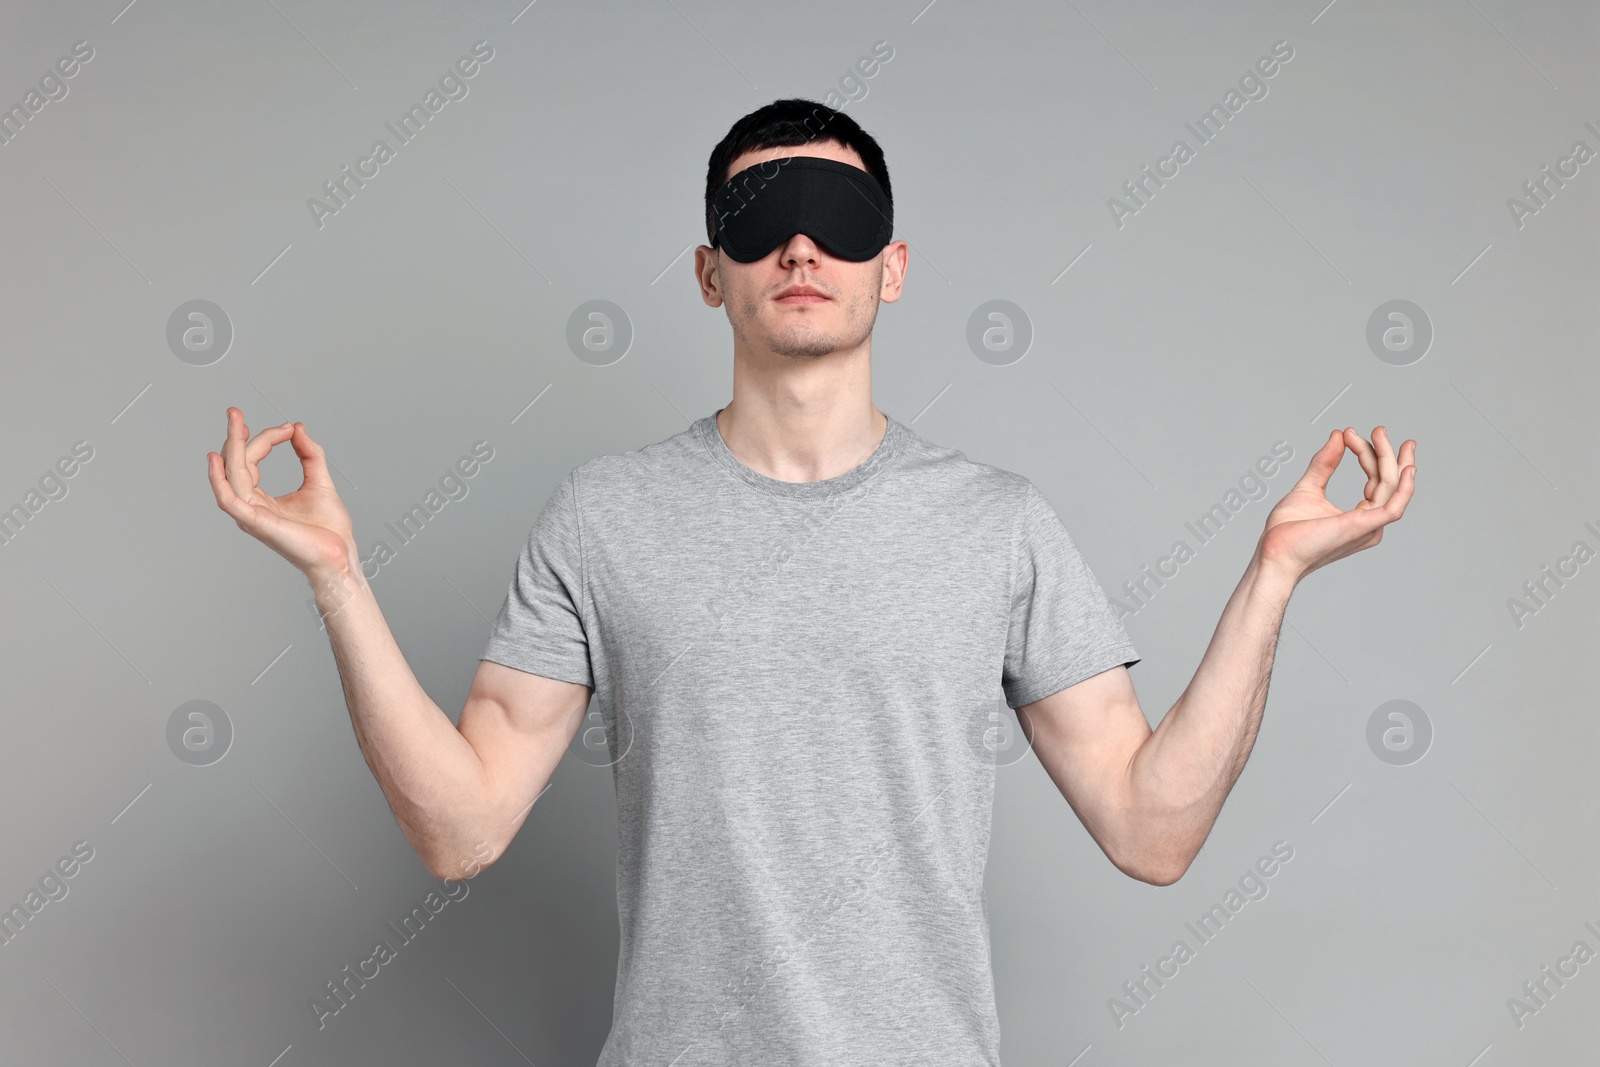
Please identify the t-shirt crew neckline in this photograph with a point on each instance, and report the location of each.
(711, 436)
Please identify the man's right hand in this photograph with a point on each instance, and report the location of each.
(308, 527)
(453, 791)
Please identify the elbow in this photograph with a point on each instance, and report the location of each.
(1160, 847)
(1160, 862)
(441, 871)
(1162, 876)
(1152, 871)
(455, 872)
(460, 866)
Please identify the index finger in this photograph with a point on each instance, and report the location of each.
(1367, 457)
(239, 456)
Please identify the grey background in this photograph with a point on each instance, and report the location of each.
(1228, 314)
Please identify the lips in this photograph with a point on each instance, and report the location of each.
(801, 294)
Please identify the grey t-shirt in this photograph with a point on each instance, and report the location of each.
(798, 683)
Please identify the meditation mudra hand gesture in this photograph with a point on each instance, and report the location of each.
(1306, 530)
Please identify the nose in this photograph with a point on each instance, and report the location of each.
(800, 248)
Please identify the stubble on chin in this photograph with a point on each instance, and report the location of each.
(808, 341)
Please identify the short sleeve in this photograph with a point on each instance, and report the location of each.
(1063, 629)
(540, 626)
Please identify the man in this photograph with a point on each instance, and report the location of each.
(797, 617)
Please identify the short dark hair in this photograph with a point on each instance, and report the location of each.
(786, 123)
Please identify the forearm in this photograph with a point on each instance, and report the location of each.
(431, 776)
(1182, 773)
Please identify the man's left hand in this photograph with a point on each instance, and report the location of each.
(1306, 530)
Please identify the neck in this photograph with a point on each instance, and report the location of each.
(807, 426)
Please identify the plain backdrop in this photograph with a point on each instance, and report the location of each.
(1147, 357)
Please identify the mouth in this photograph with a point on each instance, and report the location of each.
(800, 294)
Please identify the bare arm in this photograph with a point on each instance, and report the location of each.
(459, 795)
(1150, 797)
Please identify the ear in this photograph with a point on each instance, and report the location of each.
(896, 256)
(708, 274)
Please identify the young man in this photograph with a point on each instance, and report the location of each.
(797, 618)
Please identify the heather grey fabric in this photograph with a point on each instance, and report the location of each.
(797, 683)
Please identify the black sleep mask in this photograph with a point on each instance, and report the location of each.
(840, 207)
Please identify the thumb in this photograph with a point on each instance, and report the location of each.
(1323, 464)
